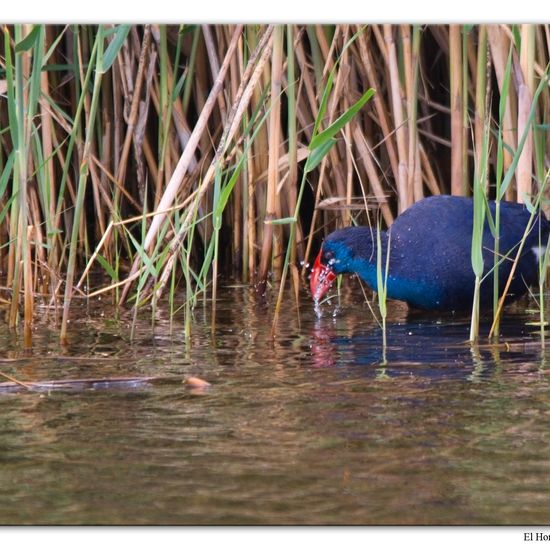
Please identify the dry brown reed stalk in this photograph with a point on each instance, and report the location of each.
(500, 47)
(428, 174)
(214, 65)
(342, 77)
(349, 171)
(29, 290)
(250, 235)
(381, 109)
(307, 106)
(134, 110)
(468, 65)
(315, 214)
(293, 153)
(404, 200)
(237, 210)
(47, 130)
(338, 178)
(415, 175)
(457, 100)
(526, 88)
(271, 233)
(366, 155)
(344, 92)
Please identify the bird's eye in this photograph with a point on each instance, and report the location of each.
(329, 258)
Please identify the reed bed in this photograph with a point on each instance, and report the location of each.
(166, 157)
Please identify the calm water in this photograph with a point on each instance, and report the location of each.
(307, 428)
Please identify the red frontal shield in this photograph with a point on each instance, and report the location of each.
(321, 279)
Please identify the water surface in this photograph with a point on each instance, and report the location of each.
(308, 427)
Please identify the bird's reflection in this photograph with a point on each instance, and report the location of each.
(424, 347)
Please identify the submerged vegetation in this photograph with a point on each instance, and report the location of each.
(165, 157)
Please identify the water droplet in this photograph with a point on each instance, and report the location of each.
(317, 309)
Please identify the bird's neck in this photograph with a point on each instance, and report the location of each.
(366, 263)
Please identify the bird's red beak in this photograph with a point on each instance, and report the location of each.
(321, 279)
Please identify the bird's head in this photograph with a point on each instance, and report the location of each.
(322, 275)
(340, 253)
